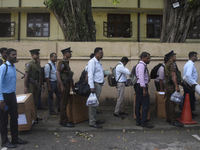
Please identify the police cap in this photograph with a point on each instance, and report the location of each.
(66, 50)
(171, 53)
(35, 51)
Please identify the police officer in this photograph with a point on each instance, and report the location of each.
(171, 84)
(33, 69)
(64, 77)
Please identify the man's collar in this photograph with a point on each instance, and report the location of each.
(141, 61)
(191, 61)
(33, 59)
(96, 59)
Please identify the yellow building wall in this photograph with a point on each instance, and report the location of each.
(108, 3)
(9, 3)
(152, 4)
(33, 3)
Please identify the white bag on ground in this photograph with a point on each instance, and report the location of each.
(92, 100)
(176, 97)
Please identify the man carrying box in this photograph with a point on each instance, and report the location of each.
(8, 102)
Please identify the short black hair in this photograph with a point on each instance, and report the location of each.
(191, 54)
(8, 51)
(51, 55)
(144, 55)
(124, 59)
(91, 55)
(97, 49)
(3, 49)
(165, 59)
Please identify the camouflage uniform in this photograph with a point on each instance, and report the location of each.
(63, 68)
(170, 88)
(34, 69)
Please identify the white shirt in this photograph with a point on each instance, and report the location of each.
(120, 69)
(189, 70)
(160, 73)
(95, 72)
(52, 72)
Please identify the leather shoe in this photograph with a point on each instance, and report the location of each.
(123, 113)
(36, 122)
(38, 119)
(118, 115)
(138, 124)
(95, 126)
(53, 113)
(8, 145)
(177, 124)
(19, 141)
(168, 120)
(66, 124)
(193, 114)
(147, 125)
(99, 122)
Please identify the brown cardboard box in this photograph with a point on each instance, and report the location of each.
(77, 111)
(160, 104)
(26, 111)
(148, 117)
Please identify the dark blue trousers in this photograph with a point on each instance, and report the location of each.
(141, 101)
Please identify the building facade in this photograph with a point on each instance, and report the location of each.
(131, 20)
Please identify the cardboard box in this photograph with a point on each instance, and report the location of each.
(77, 111)
(148, 117)
(160, 104)
(26, 111)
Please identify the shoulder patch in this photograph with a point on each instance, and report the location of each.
(62, 66)
(174, 65)
(27, 65)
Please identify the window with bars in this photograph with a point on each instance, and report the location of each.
(194, 32)
(154, 26)
(7, 28)
(38, 25)
(117, 25)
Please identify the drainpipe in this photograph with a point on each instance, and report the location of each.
(138, 39)
(19, 21)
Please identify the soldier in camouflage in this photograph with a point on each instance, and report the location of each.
(33, 69)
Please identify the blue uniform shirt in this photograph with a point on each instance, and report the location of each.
(8, 81)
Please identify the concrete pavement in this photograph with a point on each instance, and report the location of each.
(51, 123)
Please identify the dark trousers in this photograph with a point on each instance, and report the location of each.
(39, 104)
(170, 105)
(11, 102)
(192, 97)
(64, 96)
(157, 84)
(54, 89)
(141, 101)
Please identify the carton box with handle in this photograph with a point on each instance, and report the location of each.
(160, 104)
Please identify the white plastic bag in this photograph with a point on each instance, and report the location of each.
(92, 100)
(176, 97)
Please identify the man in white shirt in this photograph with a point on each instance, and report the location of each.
(51, 79)
(121, 79)
(96, 81)
(189, 70)
(160, 80)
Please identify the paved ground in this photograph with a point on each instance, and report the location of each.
(51, 123)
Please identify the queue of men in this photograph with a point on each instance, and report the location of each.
(59, 80)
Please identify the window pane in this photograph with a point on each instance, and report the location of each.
(38, 18)
(46, 18)
(5, 25)
(30, 18)
(36, 26)
(38, 29)
(118, 18)
(126, 18)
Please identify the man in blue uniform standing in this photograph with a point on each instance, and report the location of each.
(8, 102)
